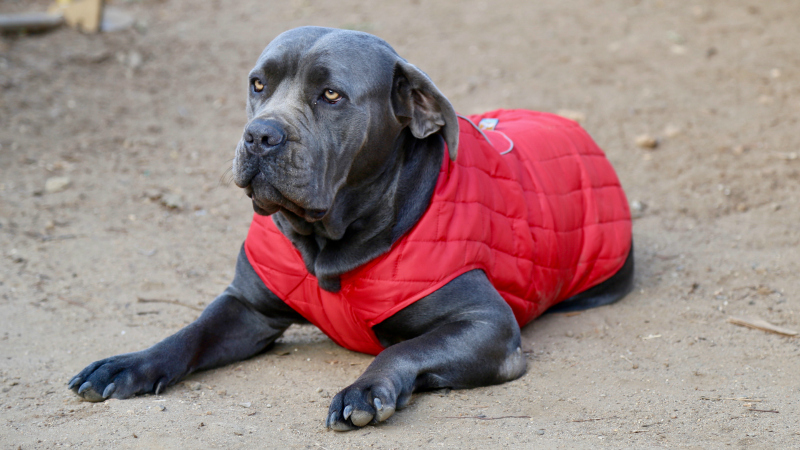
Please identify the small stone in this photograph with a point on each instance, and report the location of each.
(701, 13)
(222, 392)
(776, 206)
(678, 49)
(764, 290)
(646, 141)
(540, 432)
(238, 432)
(671, 131)
(319, 389)
(571, 114)
(738, 149)
(56, 184)
(245, 404)
(741, 207)
(135, 59)
(161, 407)
(775, 73)
(638, 208)
(172, 201)
(115, 19)
(674, 416)
(269, 405)
(193, 385)
(570, 333)
(140, 26)
(676, 37)
(152, 194)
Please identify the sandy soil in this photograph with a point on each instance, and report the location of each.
(142, 124)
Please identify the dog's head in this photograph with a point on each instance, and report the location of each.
(325, 108)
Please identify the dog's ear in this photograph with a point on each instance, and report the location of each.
(420, 104)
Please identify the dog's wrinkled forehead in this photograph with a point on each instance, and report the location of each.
(351, 60)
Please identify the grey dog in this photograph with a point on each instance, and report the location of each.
(343, 185)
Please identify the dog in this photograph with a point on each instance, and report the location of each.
(398, 227)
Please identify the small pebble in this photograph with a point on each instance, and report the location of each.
(56, 184)
(646, 141)
(638, 208)
(678, 49)
(152, 194)
(673, 416)
(671, 131)
(161, 407)
(193, 385)
(172, 201)
(540, 432)
(700, 13)
(570, 333)
(570, 114)
(238, 433)
(245, 404)
(135, 59)
(765, 99)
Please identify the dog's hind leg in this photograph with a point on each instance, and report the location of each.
(605, 293)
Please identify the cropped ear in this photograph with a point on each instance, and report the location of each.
(419, 103)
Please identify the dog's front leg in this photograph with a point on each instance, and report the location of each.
(240, 323)
(461, 336)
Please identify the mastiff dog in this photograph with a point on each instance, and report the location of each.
(398, 227)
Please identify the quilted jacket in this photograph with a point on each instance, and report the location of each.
(533, 203)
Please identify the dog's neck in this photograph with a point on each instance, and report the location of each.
(369, 216)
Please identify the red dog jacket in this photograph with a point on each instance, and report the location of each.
(545, 221)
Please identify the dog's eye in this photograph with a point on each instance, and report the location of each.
(258, 86)
(332, 96)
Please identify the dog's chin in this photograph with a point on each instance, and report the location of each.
(266, 207)
(268, 211)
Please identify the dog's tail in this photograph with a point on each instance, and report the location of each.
(605, 293)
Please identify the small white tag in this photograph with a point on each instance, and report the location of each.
(488, 124)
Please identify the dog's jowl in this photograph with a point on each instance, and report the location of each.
(396, 226)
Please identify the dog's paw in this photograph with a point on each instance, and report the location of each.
(120, 376)
(364, 403)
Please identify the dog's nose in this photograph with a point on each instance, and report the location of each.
(263, 135)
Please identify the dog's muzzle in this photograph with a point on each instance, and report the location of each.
(262, 136)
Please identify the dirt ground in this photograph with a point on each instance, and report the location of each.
(113, 154)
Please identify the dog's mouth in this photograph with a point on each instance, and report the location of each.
(266, 207)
